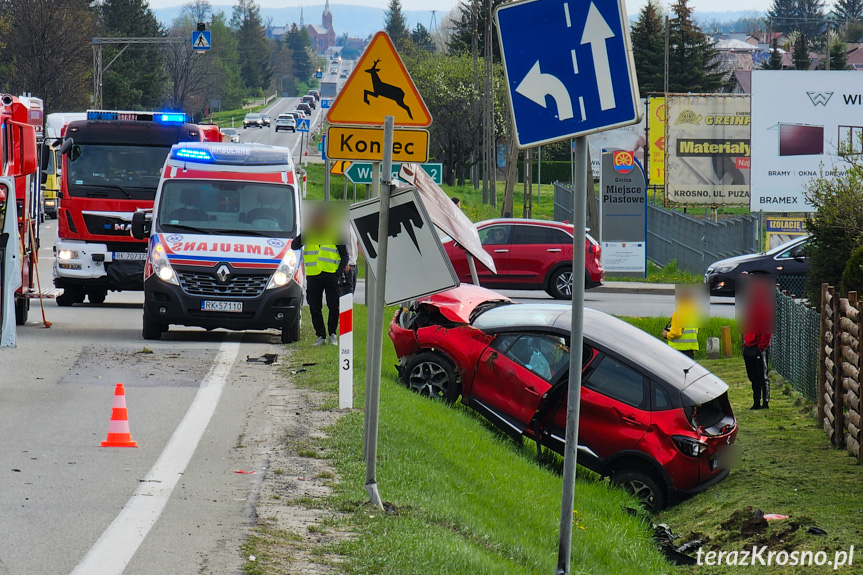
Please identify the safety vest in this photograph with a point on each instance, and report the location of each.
(687, 340)
(321, 259)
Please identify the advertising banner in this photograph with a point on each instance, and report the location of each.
(623, 214)
(656, 141)
(803, 123)
(632, 138)
(707, 149)
(781, 230)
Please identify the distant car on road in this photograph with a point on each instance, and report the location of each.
(266, 119)
(299, 114)
(253, 121)
(344, 74)
(787, 259)
(316, 94)
(652, 419)
(310, 100)
(306, 109)
(529, 255)
(286, 122)
(230, 135)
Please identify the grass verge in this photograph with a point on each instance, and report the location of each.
(669, 274)
(655, 325)
(466, 499)
(788, 467)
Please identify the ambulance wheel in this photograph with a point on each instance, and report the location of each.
(291, 334)
(22, 307)
(152, 329)
(97, 295)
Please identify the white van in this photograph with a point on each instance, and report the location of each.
(220, 241)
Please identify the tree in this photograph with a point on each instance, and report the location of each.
(648, 48)
(847, 10)
(136, 79)
(852, 31)
(801, 52)
(190, 73)
(775, 60)
(811, 19)
(226, 63)
(197, 11)
(693, 63)
(254, 51)
(421, 38)
(302, 55)
(782, 16)
(838, 56)
(54, 66)
(470, 21)
(395, 23)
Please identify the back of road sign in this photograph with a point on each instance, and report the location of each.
(579, 79)
(379, 86)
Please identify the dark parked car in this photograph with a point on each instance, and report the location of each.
(529, 255)
(787, 259)
(652, 419)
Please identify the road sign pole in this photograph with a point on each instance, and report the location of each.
(370, 309)
(573, 404)
(472, 265)
(326, 180)
(376, 323)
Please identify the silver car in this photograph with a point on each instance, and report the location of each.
(286, 122)
(230, 135)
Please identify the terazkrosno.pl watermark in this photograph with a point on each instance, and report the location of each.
(761, 555)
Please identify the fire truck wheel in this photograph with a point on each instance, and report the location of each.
(152, 329)
(97, 296)
(65, 299)
(22, 307)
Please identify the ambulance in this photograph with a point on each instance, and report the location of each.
(220, 232)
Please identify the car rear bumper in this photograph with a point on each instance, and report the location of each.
(719, 476)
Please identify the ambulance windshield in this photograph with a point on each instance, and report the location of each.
(232, 208)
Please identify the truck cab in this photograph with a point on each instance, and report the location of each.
(220, 232)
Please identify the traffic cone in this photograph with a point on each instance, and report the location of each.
(118, 428)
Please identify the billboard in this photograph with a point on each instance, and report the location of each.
(623, 214)
(781, 230)
(656, 141)
(800, 121)
(707, 149)
(632, 138)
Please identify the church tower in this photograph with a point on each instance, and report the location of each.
(327, 18)
(302, 20)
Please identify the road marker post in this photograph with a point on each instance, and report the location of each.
(346, 351)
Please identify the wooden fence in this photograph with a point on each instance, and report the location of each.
(840, 401)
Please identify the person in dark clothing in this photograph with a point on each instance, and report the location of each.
(755, 358)
(323, 271)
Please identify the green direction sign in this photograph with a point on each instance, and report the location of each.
(361, 172)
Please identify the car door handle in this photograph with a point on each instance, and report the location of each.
(501, 251)
(631, 420)
(553, 250)
(531, 391)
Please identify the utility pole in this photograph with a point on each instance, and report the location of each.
(667, 27)
(489, 147)
(476, 107)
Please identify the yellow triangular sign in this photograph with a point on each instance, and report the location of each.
(379, 86)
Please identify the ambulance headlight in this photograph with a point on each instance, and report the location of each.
(66, 255)
(161, 266)
(285, 272)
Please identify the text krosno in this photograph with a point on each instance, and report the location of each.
(760, 556)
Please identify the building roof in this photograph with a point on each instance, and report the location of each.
(744, 80)
(320, 30)
(734, 45)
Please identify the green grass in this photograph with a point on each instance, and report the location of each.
(655, 325)
(467, 499)
(787, 467)
(670, 274)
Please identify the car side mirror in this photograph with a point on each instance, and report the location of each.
(66, 146)
(141, 225)
(44, 178)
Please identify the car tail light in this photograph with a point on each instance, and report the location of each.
(689, 446)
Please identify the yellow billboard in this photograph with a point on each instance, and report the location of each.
(656, 141)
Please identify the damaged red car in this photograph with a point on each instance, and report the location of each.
(653, 420)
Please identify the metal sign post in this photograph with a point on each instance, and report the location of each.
(472, 266)
(579, 216)
(371, 288)
(326, 180)
(376, 324)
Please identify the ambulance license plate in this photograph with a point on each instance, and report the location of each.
(231, 306)
(129, 256)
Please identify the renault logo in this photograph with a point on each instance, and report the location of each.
(819, 98)
(222, 273)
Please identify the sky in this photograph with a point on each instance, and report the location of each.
(442, 6)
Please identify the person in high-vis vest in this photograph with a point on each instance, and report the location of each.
(682, 332)
(325, 263)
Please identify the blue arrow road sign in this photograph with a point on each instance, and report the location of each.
(201, 40)
(303, 125)
(579, 80)
(322, 146)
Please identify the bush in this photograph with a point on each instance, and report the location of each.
(551, 172)
(852, 277)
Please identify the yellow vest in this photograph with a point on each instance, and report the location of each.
(321, 259)
(687, 340)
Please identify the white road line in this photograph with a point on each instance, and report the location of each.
(118, 544)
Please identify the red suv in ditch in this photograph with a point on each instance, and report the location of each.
(529, 255)
(652, 419)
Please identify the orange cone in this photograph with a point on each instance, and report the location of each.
(118, 428)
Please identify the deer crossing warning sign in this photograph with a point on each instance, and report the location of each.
(380, 86)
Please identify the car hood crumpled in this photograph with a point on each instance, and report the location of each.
(458, 304)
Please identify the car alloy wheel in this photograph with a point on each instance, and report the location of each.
(563, 283)
(642, 486)
(432, 375)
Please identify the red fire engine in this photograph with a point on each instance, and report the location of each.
(112, 164)
(19, 120)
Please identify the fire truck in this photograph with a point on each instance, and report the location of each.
(111, 166)
(19, 120)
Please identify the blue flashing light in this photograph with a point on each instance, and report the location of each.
(194, 154)
(100, 115)
(178, 118)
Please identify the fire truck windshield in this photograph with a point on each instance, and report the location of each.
(115, 171)
(225, 207)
